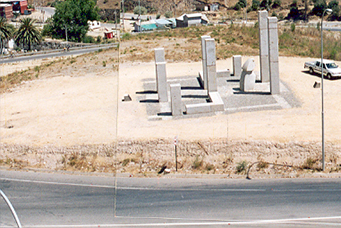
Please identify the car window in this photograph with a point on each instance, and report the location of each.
(331, 65)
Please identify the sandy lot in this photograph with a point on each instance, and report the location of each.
(68, 110)
(74, 112)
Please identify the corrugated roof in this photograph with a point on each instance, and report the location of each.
(163, 22)
(148, 26)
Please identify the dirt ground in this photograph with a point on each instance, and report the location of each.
(77, 104)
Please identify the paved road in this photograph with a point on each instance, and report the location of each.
(49, 11)
(87, 201)
(55, 54)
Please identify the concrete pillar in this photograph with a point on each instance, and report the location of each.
(175, 94)
(211, 65)
(204, 65)
(161, 81)
(273, 55)
(263, 45)
(237, 65)
(159, 55)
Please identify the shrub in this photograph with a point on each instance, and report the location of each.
(262, 165)
(98, 39)
(88, 39)
(255, 5)
(241, 167)
(140, 10)
(309, 163)
(197, 163)
(126, 36)
(265, 4)
(168, 14)
(319, 7)
(276, 4)
(293, 27)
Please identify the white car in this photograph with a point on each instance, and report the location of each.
(330, 69)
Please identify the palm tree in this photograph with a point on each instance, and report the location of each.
(27, 34)
(5, 31)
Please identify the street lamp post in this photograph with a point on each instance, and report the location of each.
(322, 112)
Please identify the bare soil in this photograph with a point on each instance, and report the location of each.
(72, 118)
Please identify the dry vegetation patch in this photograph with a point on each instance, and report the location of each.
(183, 44)
(147, 157)
(74, 66)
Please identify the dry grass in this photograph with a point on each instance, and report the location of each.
(147, 157)
(183, 44)
(76, 66)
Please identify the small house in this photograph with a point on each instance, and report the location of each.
(165, 23)
(6, 11)
(194, 19)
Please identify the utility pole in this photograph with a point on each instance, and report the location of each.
(66, 33)
(123, 14)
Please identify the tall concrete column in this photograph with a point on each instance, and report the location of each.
(161, 81)
(263, 45)
(211, 65)
(273, 55)
(159, 55)
(175, 93)
(204, 65)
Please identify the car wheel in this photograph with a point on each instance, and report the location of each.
(311, 70)
(329, 76)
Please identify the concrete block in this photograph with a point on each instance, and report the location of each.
(161, 80)
(237, 65)
(248, 77)
(159, 55)
(198, 108)
(223, 73)
(263, 45)
(126, 97)
(273, 55)
(217, 103)
(175, 94)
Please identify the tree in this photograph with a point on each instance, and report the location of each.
(255, 5)
(334, 5)
(140, 10)
(319, 7)
(6, 30)
(276, 4)
(240, 4)
(27, 34)
(265, 4)
(294, 12)
(71, 17)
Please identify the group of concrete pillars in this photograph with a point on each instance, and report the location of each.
(268, 50)
(161, 84)
(269, 70)
(268, 55)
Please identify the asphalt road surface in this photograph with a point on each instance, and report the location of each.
(61, 200)
(55, 54)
